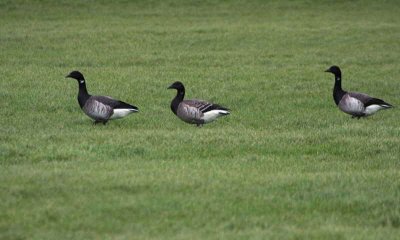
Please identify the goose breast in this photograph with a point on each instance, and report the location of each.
(97, 110)
(189, 113)
(351, 105)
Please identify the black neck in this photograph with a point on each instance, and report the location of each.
(83, 94)
(337, 89)
(177, 100)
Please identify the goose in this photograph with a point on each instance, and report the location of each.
(356, 104)
(100, 108)
(194, 111)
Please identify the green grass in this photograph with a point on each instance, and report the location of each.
(286, 164)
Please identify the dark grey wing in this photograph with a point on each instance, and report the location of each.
(368, 101)
(115, 104)
(364, 98)
(204, 106)
(377, 101)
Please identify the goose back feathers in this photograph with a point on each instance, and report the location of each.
(100, 108)
(195, 111)
(353, 103)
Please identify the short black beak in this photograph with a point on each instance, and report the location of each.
(68, 76)
(327, 70)
(170, 87)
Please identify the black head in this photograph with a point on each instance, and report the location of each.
(75, 75)
(177, 85)
(335, 70)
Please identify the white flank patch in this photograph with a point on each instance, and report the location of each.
(213, 114)
(371, 109)
(121, 112)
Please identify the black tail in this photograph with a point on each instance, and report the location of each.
(379, 102)
(127, 106)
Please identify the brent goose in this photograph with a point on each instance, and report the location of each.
(353, 103)
(194, 111)
(100, 108)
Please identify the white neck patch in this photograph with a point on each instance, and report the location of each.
(81, 81)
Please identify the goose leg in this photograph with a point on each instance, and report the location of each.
(354, 116)
(99, 121)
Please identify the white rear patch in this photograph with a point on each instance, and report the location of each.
(213, 114)
(121, 112)
(371, 109)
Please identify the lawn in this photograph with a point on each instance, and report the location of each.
(286, 164)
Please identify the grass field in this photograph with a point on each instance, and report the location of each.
(286, 164)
